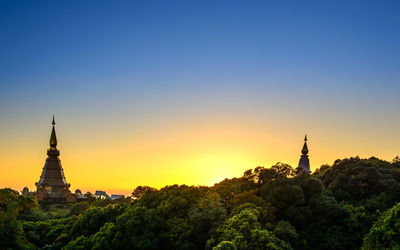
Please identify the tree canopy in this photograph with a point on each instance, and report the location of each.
(351, 204)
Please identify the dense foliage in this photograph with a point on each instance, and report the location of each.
(353, 204)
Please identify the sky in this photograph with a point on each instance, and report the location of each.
(192, 92)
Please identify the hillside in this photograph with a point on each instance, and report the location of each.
(351, 204)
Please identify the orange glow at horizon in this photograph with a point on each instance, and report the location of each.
(190, 153)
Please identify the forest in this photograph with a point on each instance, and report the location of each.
(352, 204)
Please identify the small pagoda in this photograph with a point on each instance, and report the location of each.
(52, 185)
(304, 163)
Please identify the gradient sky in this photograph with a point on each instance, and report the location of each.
(172, 92)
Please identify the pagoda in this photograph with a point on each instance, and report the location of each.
(52, 185)
(304, 163)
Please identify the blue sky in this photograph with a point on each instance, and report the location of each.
(322, 67)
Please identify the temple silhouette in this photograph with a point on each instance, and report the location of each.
(304, 163)
(52, 185)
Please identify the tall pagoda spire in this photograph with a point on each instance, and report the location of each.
(53, 137)
(304, 163)
(52, 184)
(304, 151)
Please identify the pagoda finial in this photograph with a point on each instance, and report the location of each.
(53, 138)
(304, 151)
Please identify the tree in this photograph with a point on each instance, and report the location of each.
(12, 205)
(89, 197)
(358, 222)
(228, 188)
(11, 201)
(93, 219)
(283, 170)
(207, 215)
(44, 232)
(79, 208)
(357, 180)
(385, 233)
(245, 232)
(141, 190)
(11, 233)
(285, 231)
(262, 175)
(138, 228)
(225, 245)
